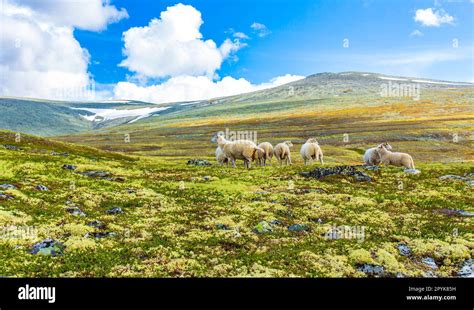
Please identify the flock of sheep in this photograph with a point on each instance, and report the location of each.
(248, 151)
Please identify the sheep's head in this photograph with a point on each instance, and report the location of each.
(288, 143)
(387, 146)
(312, 140)
(216, 137)
(381, 148)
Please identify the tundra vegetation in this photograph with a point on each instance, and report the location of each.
(137, 209)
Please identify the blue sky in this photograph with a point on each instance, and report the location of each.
(307, 37)
(162, 51)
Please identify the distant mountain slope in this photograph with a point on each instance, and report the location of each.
(324, 85)
(49, 118)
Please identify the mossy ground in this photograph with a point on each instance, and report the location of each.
(170, 225)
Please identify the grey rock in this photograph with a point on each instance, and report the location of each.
(115, 210)
(76, 211)
(320, 173)
(69, 167)
(429, 262)
(298, 227)
(404, 249)
(96, 174)
(48, 247)
(96, 224)
(12, 147)
(198, 162)
(372, 270)
(6, 196)
(467, 269)
(7, 186)
(42, 188)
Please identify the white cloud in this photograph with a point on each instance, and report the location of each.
(188, 88)
(260, 29)
(416, 33)
(92, 15)
(240, 35)
(173, 46)
(39, 56)
(433, 18)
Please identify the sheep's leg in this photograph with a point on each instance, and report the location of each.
(321, 159)
(289, 160)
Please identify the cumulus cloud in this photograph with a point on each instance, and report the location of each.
(172, 48)
(39, 56)
(173, 45)
(260, 29)
(433, 18)
(189, 88)
(92, 15)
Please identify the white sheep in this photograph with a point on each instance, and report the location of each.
(310, 151)
(220, 157)
(372, 157)
(395, 158)
(282, 152)
(241, 149)
(262, 156)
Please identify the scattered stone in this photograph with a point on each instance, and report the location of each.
(371, 168)
(75, 211)
(430, 274)
(261, 192)
(69, 167)
(96, 174)
(298, 227)
(262, 228)
(206, 178)
(429, 262)
(115, 210)
(404, 249)
(12, 147)
(42, 188)
(467, 269)
(48, 247)
(452, 212)
(338, 170)
(59, 154)
(7, 186)
(412, 171)
(5, 196)
(96, 224)
(198, 162)
(222, 227)
(130, 190)
(372, 270)
(276, 222)
(100, 234)
(468, 179)
(117, 179)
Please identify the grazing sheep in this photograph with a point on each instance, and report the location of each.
(372, 157)
(395, 158)
(282, 152)
(267, 154)
(310, 151)
(220, 157)
(242, 149)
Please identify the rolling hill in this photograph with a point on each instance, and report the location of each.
(53, 118)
